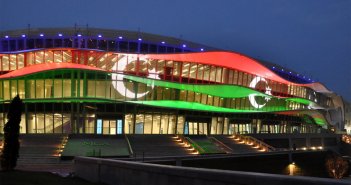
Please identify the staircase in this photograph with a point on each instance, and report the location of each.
(158, 146)
(40, 148)
(240, 144)
(204, 145)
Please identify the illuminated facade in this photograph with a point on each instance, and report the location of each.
(117, 82)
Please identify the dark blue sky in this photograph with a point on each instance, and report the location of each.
(312, 37)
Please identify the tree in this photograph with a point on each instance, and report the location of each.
(11, 135)
(336, 166)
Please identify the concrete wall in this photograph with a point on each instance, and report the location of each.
(326, 140)
(135, 173)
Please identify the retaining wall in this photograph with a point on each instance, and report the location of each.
(117, 172)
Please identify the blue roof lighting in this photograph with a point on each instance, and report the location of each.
(60, 35)
(42, 35)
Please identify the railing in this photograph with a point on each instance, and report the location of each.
(226, 148)
(186, 142)
(253, 141)
(197, 147)
(131, 153)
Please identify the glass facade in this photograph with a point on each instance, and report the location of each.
(107, 86)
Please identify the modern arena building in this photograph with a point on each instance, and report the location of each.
(110, 82)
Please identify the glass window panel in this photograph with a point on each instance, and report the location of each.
(240, 78)
(100, 89)
(39, 90)
(119, 126)
(182, 95)
(219, 74)
(185, 70)
(67, 56)
(230, 77)
(57, 123)
(66, 123)
(13, 88)
(40, 122)
(139, 124)
(164, 124)
(57, 88)
(89, 124)
(67, 90)
(30, 89)
(132, 63)
(49, 127)
(30, 58)
(160, 68)
(245, 83)
(191, 96)
(207, 70)
(209, 100)
(156, 124)
(180, 125)
(197, 97)
(91, 88)
(1, 90)
(22, 124)
(148, 124)
(48, 88)
(113, 127)
(31, 123)
(5, 63)
(176, 70)
(6, 90)
(172, 124)
(58, 56)
(39, 57)
(200, 72)
(13, 63)
(20, 60)
(105, 127)
(216, 101)
(128, 124)
(193, 70)
(49, 56)
(213, 74)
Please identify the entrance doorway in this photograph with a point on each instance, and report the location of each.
(195, 128)
(109, 127)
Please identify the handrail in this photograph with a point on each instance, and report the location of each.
(259, 142)
(222, 144)
(129, 146)
(269, 147)
(196, 146)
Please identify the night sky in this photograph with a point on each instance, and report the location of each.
(312, 37)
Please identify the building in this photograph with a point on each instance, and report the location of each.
(98, 81)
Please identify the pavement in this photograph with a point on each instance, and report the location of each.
(62, 169)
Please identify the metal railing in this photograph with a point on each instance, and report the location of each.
(197, 147)
(251, 140)
(225, 147)
(131, 153)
